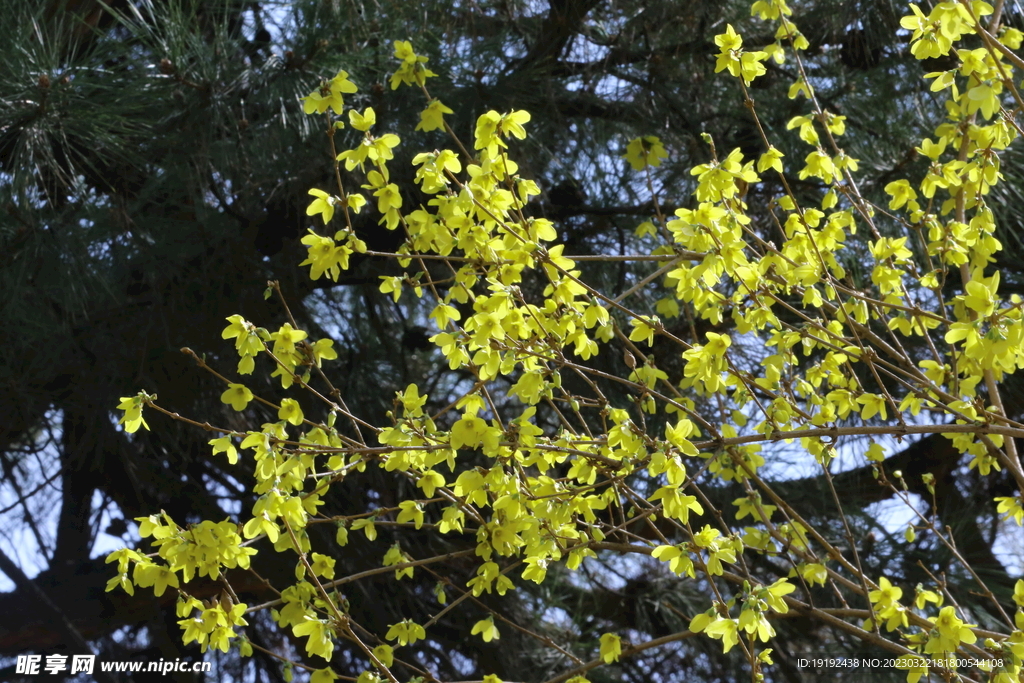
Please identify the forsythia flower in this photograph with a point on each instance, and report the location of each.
(290, 412)
(949, 632)
(432, 118)
(491, 127)
(406, 632)
(364, 121)
(319, 641)
(645, 151)
(741, 64)
(329, 95)
(611, 648)
(323, 205)
(237, 396)
(487, 630)
(412, 71)
(132, 418)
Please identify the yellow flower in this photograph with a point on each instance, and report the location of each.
(611, 648)
(290, 411)
(323, 676)
(645, 151)
(323, 566)
(318, 634)
(224, 445)
(132, 418)
(412, 71)
(362, 121)
(323, 205)
(730, 40)
(725, 629)
(406, 632)
(949, 632)
(487, 630)
(329, 95)
(887, 594)
(237, 396)
(432, 118)
(469, 432)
